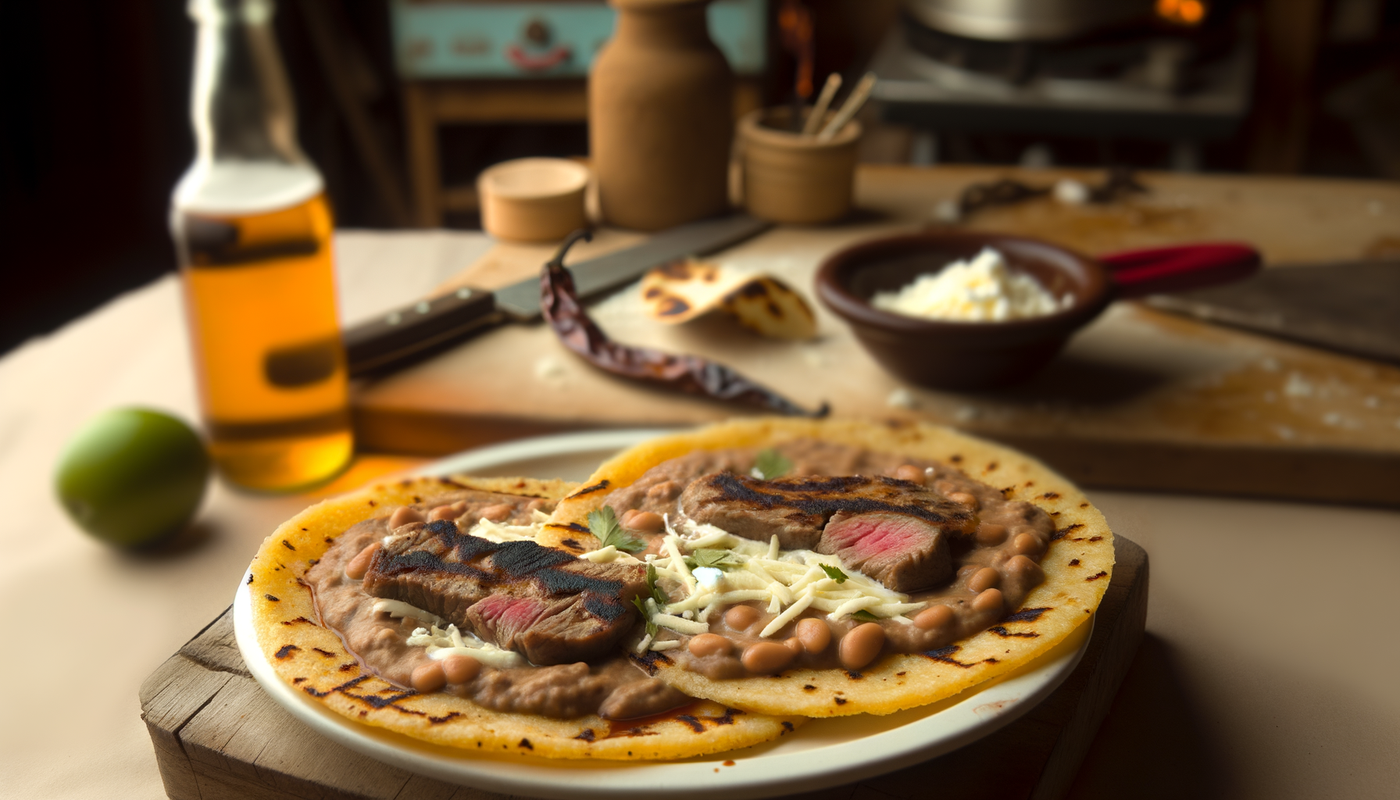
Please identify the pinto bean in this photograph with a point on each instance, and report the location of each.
(647, 522)
(709, 644)
(990, 534)
(741, 617)
(989, 600)
(428, 677)
(460, 669)
(965, 499)
(765, 658)
(1024, 570)
(984, 579)
(814, 634)
(794, 644)
(1027, 544)
(442, 512)
(911, 473)
(497, 512)
(404, 515)
(933, 617)
(861, 645)
(359, 565)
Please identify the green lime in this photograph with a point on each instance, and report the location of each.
(132, 476)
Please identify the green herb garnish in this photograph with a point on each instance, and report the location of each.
(646, 615)
(707, 557)
(834, 573)
(656, 593)
(771, 464)
(865, 616)
(602, 523)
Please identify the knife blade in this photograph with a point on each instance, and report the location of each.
(406, 332)
(1352, 308)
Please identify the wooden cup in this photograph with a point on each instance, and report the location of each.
(791, 178)
(533, 199)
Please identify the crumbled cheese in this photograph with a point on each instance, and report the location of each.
(901, 398)
(984, 289)
(1298, 386)
(1071, 192)
(708, 577)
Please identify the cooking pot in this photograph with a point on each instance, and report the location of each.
(1027, 20)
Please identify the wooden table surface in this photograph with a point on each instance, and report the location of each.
(1140, 399)
(1267, 669)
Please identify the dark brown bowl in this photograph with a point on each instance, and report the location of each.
(959, 355)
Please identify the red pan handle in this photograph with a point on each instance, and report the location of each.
(1135, 273)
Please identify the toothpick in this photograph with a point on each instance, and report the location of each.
(848, 109)
(814, 120)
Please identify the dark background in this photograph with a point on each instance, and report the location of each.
(94, 130)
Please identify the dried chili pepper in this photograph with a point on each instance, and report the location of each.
(561, 307)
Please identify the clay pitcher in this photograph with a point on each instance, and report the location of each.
(660, 117)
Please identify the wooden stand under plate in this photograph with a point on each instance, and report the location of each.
(218, 736)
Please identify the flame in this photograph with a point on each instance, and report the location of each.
(795, 23)
(1187, 13)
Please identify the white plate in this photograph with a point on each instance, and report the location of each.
(820, 754)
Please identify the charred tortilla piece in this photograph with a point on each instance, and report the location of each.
(902, 552)
(541, 602)
(895, 531)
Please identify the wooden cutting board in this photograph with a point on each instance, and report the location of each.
(218, 735)
(1140, 399)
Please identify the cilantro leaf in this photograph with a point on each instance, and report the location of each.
(642, 607)
(834, 573)
(771, 464)
(656, 593)
(707, 557)
(602, 523)
(865, 616)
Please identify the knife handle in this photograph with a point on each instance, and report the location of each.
(1135, 273)
(413, 328)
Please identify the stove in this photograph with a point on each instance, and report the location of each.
(1149, 84)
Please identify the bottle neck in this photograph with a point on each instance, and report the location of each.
(242, 107)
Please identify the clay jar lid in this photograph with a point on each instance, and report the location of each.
(950, 354)
(533, 199)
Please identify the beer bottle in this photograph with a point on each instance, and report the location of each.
(253, 232)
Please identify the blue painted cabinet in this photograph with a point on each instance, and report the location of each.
(443, 39)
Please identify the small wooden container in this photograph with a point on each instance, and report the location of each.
(533, 199)
(796, 179)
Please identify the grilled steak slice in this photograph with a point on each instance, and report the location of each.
(545, 603)
(908, 526)
(902, 552)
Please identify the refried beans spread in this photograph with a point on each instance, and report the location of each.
(847, 555)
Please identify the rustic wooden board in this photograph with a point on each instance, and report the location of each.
(1141, 399)
(218, 736)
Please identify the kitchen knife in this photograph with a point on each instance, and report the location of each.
(1352, 308)
(406, 332)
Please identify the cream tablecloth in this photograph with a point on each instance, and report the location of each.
(1269, 669)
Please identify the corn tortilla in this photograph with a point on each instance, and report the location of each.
(1078, 566)
(314, 660)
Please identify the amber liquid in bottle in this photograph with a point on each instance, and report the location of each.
(260, 296)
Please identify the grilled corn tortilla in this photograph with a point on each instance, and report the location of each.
(1078, 566)
(314, 660)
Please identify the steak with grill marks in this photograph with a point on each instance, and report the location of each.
(896, 531)
(541, 602)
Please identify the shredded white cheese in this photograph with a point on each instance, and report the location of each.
(789, 582)
(984, 289)
(441, 642)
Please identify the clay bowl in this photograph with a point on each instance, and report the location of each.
(984, 355)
